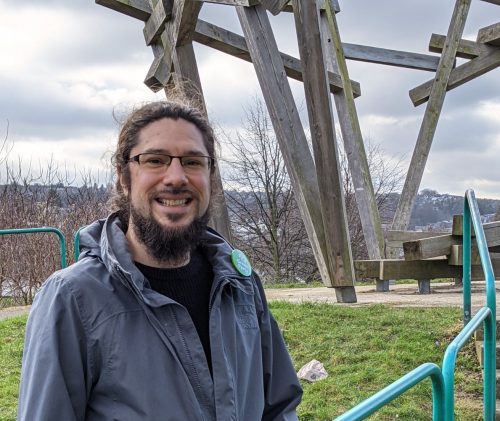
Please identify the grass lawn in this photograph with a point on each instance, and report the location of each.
(366, 348)
(11, 352)
(363, 350)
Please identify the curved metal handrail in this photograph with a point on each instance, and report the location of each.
(62, 241)
(391, 392)
(443, 380)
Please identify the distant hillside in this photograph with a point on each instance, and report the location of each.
(433, 208)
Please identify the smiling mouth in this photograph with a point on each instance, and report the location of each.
(176, 202)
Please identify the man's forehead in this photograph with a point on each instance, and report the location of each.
(168, 133)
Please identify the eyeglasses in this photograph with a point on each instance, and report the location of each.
(158, 161)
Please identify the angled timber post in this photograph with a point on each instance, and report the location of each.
(431, 116)
(353, 139)
(186, 69)
(290, 134)
(324, 141)
(168, 29)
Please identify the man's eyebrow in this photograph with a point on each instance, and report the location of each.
(191, 152)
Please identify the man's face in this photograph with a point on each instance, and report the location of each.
(171, 196)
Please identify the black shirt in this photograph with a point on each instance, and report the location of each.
(190, 286)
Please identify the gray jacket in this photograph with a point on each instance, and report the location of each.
(101, 345)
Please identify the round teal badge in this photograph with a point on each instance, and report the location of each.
(241, 263)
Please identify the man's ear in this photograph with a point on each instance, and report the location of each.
(123, 183)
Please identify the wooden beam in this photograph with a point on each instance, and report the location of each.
(187, 79)
(179, 30)
(336, 7)
(491, 231)
(390, 269)
(442, 245)
(456, 255)
(155, 25)
(460, 75)
(390, 57)
(490, 35)
(274, 6)
(466, 49)
(431, 247)
(138, 9)
(289, 132)
(158, 74)
(493, 1)
(233, 44)
(395, 239)
(245, 3)
(431, 116)
(324, 142)
(353, 139)
(403, 236)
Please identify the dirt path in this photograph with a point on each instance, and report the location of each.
(5, 313)
(443, 294)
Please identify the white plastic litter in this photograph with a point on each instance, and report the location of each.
(312, 371)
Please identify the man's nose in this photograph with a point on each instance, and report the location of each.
(175, 174)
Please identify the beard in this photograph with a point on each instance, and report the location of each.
(167, 244)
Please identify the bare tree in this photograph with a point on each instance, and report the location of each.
(387, 178)
(44, 199)
(263, 212)
(264, 215)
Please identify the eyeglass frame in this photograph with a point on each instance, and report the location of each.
(211, 160)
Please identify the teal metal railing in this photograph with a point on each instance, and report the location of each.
(62, 241)
(443, 380)
(76, 242)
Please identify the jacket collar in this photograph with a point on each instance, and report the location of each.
(106, 240)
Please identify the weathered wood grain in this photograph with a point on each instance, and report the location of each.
(233, 44)
(460, 75)
(490, 35)
(431, 116)
(431, 247)
(389, 269)
(456, 256)
(491, 233)
(289, 131)
(389, 57)
(246, 3)
(179, 30)
(442, 245)
(187, 79)
(274, 6)
(154, 26)
(491, 229)
(138, 9)
(321, 5)
(395, 239)
(353, 140)
(324, 142)
(158, 74)
(466, 49)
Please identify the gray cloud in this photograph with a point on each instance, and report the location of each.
(97, 36)
(33, 111)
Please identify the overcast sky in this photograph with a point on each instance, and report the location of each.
(68, 65)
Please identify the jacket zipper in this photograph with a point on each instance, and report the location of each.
(152, 319)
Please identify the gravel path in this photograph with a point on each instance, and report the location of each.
(442, 294)
(5, 313)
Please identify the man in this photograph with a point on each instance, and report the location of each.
(160, 319)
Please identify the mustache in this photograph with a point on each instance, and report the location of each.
(174, 190)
